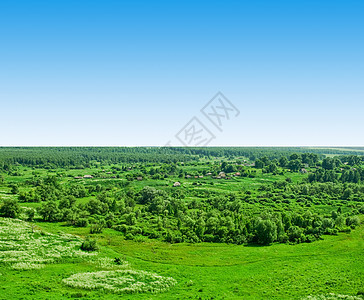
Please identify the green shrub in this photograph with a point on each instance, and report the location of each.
(96, 228)
(82, 222)
(10, 208)
(89, 245)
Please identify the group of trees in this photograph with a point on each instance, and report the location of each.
(213, 219)
(49, 188)
(342, 168)
(322, 175)
(222, 219)
(161, 215)
(279, 211)
(81, 157)
(293, 162)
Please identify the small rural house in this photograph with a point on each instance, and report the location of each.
(222, 174)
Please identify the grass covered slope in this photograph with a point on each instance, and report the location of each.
(24, 247)
(333, 265)
(27, 249)
(219, 271)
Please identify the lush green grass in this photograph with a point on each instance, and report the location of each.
(219, 271)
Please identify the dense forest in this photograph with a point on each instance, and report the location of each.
(81, 157)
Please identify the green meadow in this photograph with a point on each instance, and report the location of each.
(207, 270)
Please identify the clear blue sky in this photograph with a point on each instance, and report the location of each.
(135, 72)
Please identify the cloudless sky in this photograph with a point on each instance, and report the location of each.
(135, 72)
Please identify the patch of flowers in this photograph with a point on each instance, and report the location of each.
(24, 247)
(121, 281)
(27, 266)
(109, 263)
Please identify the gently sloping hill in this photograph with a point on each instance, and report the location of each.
(281, 271)
(22, 247)
(224, 255)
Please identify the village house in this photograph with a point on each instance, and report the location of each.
(222, 175)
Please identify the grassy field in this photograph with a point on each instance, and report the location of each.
(207, 271)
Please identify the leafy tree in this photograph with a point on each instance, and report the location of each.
(14, 189)
(130, 219)
(67, 202)
(294, 156)
(322, 175)
(327, 223)
(81, 222)
(352, 221)
(272, 168)
(350, 176)
(147, 194)
(96, 207)
(347, 193)
(283, 161)
(229, 168)
(200, 227)
(259, 164)
(295, 165)
(295, 234)
(10, 208)
(330, 163)
(352, 160)
(49, 211)
(266, 231)
(340, 221)
(97, 227)
(309, 158)
(30, 213)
